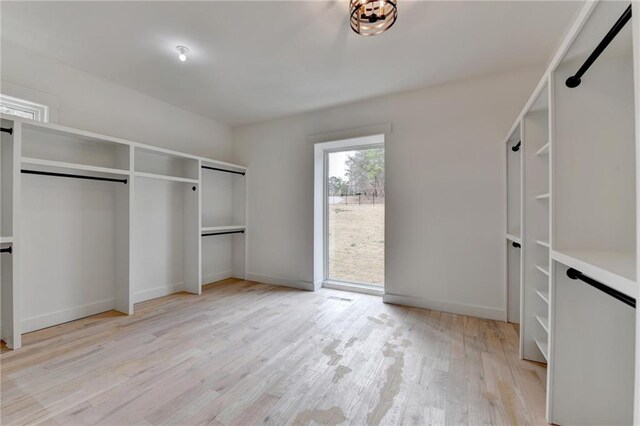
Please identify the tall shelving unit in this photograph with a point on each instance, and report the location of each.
(515, 169)
(10, 330)
(579, 220)
(167, 207)
(534, 329)
(595, 226)
(112, 222)
(223, 224)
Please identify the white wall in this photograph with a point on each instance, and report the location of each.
(445, 191)
(86, 102)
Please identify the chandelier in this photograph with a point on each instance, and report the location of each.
(372, 17)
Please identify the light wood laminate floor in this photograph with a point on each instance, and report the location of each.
(244, 353)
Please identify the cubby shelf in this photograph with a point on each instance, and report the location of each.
(27, 161)
(544, 322)
(223, 228)
(542, 269)
(544, 150)
(514, 238)
(544, 348)
(543, 295)
(617, 269)
(166, 177)
(542, 243)
(543, 196)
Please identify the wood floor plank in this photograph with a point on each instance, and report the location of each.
(245, 353)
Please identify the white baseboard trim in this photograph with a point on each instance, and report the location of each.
(154, 293)
(302, 285)
(357, 288)
(454, 308)
(218, 276)
(66, 315)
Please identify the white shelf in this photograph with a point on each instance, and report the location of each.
(26, 161)
(544, 322)
(542, 269)
(514, 239)
(6, 240)
(615, 269)
(166, 177)
(544, 150)
(223, 228)
(544, 348)
(543, 295)
(542, 243)
(543, 196)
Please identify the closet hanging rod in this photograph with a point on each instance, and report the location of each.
(516, 148)
(224, 233)
(223, 170)
(574, 81)
(6, 250)
(574, 274)
(7, 130)
(35, 172)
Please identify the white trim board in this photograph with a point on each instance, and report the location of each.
(284, 282)
(58, 317)
(354, 287)
(355, 133)
(154, 293)
(215, 277)
(454, 308)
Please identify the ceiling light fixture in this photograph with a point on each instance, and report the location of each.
(372, 17)
(183, 53)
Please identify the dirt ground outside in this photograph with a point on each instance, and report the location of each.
(356, 243)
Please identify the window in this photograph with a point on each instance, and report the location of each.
(23, 108)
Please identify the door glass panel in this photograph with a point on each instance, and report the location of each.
(356, 195)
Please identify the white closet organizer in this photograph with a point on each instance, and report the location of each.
(579, 220)
(9, 183)
(103, 223)
(514, 220)
(222, 222)
(534, 328)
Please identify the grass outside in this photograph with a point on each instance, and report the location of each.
(356, 243)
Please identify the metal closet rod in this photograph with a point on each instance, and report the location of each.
(67, 175)
(516, 147)
(6, 250)
(7, 130)
(574, 80)
(223, 170)
(223, 233)
(574, 274)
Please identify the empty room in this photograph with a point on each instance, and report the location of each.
(350, 212)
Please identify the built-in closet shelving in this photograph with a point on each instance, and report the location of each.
(579, 221)
(222, 224)
(514, 158)
(534, 329)
(103, 223)
(9, 256)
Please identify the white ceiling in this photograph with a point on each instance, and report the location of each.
(252, 61)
